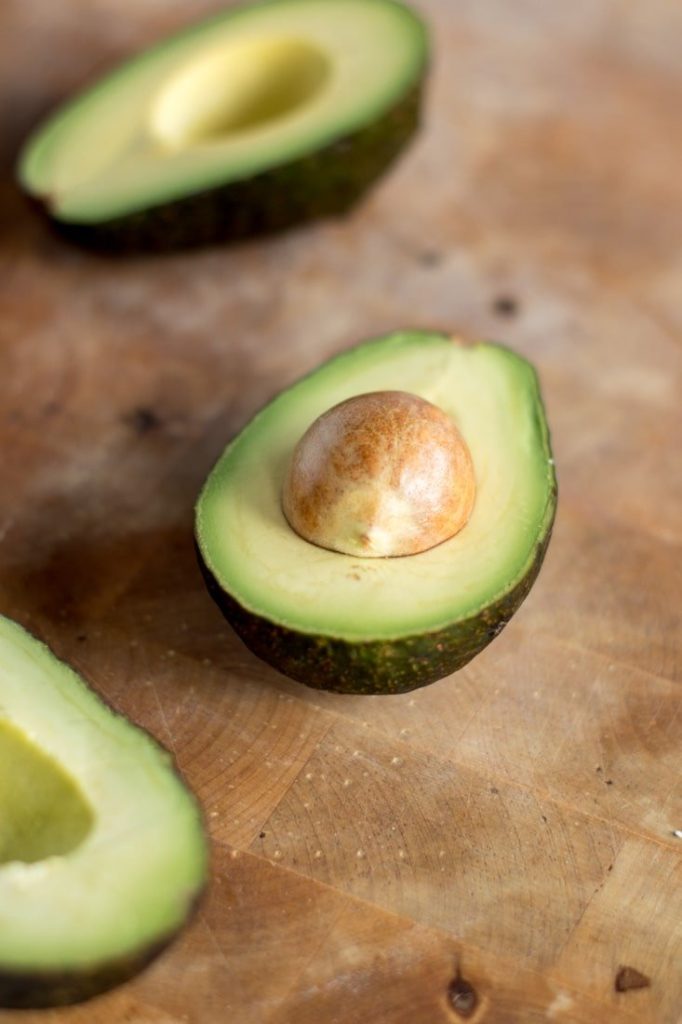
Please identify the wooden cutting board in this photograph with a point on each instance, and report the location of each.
(495, 847)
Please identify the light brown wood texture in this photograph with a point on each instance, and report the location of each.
(512, 825)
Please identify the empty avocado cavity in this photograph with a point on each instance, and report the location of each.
(239, 88)
(42, 811)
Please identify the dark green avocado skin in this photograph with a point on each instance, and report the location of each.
(325, 183)
(375, 667)
(38, 990)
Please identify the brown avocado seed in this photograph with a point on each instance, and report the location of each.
(385, 473)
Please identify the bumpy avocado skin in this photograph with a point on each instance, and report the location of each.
(377, 667)
(38, 990)
(325, 183)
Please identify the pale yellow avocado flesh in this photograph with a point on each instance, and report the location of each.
(227, 99)
(102, 852)
(492, 396)
(42, 811)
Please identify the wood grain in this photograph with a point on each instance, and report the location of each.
(512, 827)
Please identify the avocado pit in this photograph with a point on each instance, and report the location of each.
(381, 474)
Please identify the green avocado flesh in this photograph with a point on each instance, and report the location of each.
(102, 850)
(258, 108)
(384, 624)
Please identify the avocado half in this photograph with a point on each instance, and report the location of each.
(259, 118)
(384, 625)
(102, 849)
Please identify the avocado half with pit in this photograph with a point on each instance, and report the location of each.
(102, 849)
(357, 624)
(259, 118)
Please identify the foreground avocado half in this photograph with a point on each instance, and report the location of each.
(256, 119)
(102, 850)
(384, 625)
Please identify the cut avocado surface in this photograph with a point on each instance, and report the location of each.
(384, 625)
(102, 850)
(255, 119)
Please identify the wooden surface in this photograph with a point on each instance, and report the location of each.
(513, 826)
